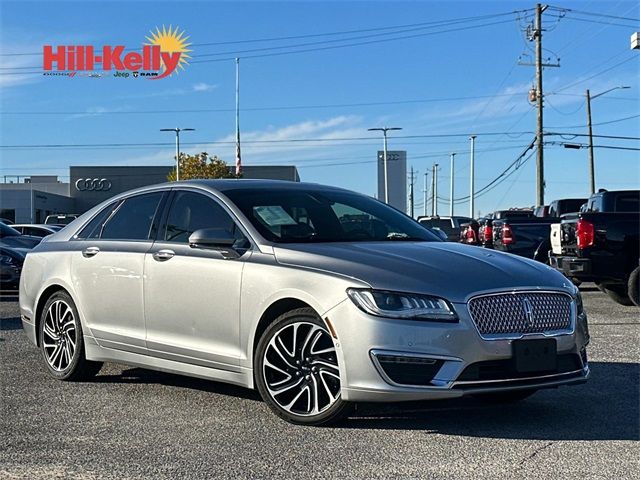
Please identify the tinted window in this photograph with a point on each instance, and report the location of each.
(192, 211)
(296, 215)
(133, 219)
(94, 227)
(570, 206)
(6, 231)
(628, 203)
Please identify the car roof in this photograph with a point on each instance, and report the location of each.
(227, 184)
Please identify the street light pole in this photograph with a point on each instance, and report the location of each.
(384, 131)
(453, 156)
(472, 175)
(592, 168)
(177, 132)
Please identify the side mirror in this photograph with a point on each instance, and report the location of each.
(211, 237)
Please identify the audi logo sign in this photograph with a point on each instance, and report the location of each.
(93, 184)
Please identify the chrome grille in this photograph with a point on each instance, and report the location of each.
(522, 312)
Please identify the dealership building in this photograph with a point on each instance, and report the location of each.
(33, 198)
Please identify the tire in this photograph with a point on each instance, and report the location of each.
(634, 287)
(618, 293)
(61, 341)
(299, 377)
(511, 396)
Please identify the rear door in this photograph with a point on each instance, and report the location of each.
(107, 270)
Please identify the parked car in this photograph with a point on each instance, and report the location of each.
(557, 209)
(601, 244)
(60, 219)
(6, 221)
(36, 230)
(12, 238)
(258, 283)
(11, 260)
(449, 225)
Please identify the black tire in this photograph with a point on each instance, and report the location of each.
(634, 287)
(619, 294)
(73, 365)
(299, 366)
(511, 396)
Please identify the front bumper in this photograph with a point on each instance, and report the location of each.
(362, 339)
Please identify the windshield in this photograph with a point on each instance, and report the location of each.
(293, 216)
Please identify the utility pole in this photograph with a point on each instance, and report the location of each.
(453, 156)
(424, 192)
(592, 168)
(384, 131)
(435, 190)
(411, 193)
(177, 132)
(472, 175)
(534, 33)
(539, 134)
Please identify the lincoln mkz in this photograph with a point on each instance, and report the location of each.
(317, 296)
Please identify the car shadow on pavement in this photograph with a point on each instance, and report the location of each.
(144, 376)
(10, 324)
(607, 407)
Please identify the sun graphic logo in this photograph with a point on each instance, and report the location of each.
(173, 42)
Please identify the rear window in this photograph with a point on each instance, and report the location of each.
(628, 203)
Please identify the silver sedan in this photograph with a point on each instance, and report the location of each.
(317, 296)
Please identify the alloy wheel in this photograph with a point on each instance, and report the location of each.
(300, 369)
(59, 337)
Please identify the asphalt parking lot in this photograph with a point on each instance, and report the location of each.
(134, 423)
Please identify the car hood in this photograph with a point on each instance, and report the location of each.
(450, 270)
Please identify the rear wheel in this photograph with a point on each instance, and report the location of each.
(512, 396)
(634, 287)
(619, 294)
(296, 370)
(61, 341)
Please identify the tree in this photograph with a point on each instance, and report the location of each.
(201, 165)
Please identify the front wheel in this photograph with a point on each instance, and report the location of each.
(296, 370)
(634, 287)
(61, 341)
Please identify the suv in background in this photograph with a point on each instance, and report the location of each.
(452, 226)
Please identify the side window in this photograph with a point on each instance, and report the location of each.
(94, 227)
(192, 211)
(133, 218)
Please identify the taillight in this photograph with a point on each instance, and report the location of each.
(471, 235)
(585, 234)
(488, 233)
(507, 235)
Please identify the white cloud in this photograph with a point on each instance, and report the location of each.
(204, 87)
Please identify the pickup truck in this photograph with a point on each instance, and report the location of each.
(601, 244)
(523, 236)
(452, 226)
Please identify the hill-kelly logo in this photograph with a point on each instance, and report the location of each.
(165, 52)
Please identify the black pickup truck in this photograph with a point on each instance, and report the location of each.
(523, 235)
(601, 244)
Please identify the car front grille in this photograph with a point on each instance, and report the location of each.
(517, 313)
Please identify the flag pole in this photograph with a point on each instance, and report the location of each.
(238, 158)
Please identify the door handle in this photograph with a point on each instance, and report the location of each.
(90, 252)
(163, 255)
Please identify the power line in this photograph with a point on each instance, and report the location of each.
(566, 87)
(599, 123)
(268, 108)
(594, 14)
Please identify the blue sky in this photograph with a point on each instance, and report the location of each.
(412, 72)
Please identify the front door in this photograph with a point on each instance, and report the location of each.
(192, 295)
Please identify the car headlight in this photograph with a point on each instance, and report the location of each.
(409, 306)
